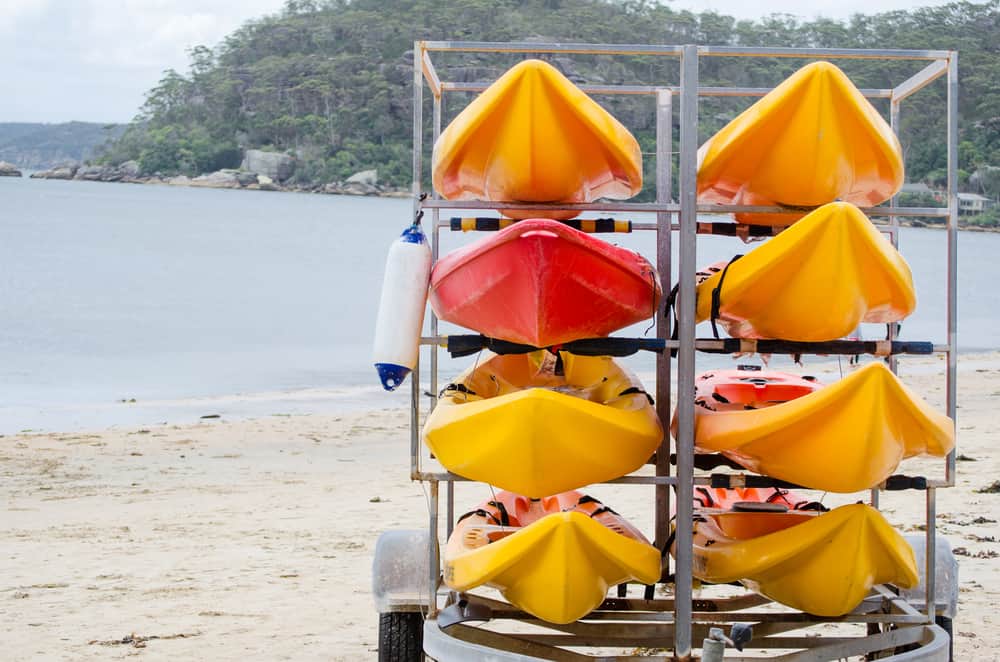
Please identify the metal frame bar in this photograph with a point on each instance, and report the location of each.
(654, 90)
(681, 623)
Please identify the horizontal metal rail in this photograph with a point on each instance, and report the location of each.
(551, 47)
(814, 53)
(447, 476)
(670, 207)
(653, 90)
(676, 51)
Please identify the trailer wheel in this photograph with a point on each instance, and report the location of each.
(947, 625)
(401, 636)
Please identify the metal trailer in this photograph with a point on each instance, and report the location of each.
(416, 612)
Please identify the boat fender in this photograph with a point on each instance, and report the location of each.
(401, 307)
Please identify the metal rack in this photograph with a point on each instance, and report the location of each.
(673, 623)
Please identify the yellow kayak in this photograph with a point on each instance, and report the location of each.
(815, 281)
(554, 558)
(845, 437)
(534, 136)
(821, 563)
(515, 422)
(813, 139)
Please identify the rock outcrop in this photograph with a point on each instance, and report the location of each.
(9, 170)
(218, 179)
(365, 177)
(59, 172)
(279, 167)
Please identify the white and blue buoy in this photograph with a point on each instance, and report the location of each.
(401, 308)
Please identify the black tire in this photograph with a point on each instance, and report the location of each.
(401, 637)
(946, 624)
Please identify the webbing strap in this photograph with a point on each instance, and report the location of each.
(717, 295)
(635, 389)
(461, 388)
(504, 517)
(480, 512)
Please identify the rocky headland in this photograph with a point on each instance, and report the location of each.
(259, 171)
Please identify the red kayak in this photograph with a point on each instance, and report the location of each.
(541, 283)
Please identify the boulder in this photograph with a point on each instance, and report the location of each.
(93, 173)
(265, 183)
(179, 180)
(130, 169)
(358, 188)
(365, 177)
(59, 172)
(275, 165)
(218, 179)
(246, 178)
(9, 170)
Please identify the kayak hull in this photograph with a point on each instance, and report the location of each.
(537, 433)
(540, 283)
(812, 140)
(821, 563)
(558, 567)
(534, 136)
(815, 281)
(846, 437)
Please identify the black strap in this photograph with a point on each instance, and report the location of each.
(481, 513)
(603, 509)
(672, 305)
(586, 498)
(635, 389)
(560, 368)
(717, 295)
(461, 388)
(707, 495)
(504, 517)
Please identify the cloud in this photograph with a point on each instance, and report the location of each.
(94, 59)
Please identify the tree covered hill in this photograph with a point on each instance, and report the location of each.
(330, 81)
(35, 146)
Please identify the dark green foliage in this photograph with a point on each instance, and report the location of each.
(330, 80)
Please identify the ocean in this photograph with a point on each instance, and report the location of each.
(195, 302)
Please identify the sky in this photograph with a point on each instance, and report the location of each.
(93, 60)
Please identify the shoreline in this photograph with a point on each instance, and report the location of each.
(222, 539)
(339, 188)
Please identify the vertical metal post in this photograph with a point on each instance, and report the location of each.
(931, 554)
(685, 354)
(952, 252)
(664, 168)
(418, 149)
(435, 254)
(894, 224)
(418, 120)
(435, 564)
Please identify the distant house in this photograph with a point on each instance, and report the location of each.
(919, 188)
(973, 203)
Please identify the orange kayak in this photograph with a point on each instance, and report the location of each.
(534, 136)
(554, 557)
(822, 562)
(845, 437)
(812, 140)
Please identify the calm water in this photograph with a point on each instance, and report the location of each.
(198, 301)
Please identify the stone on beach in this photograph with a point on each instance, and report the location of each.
(9, 170)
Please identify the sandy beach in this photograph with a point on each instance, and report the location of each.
(252, 539)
